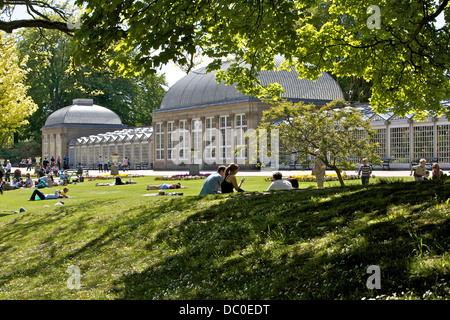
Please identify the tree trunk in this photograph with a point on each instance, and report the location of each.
(341, 180)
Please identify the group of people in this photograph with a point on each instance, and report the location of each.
(16, 183)
(103, 164)
(53, 166)
(44, 181)
(225, 181)
(421, 173)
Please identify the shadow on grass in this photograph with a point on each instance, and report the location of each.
(304, 245)
(114, 227)
(308, 244)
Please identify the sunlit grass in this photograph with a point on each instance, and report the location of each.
(307, 244)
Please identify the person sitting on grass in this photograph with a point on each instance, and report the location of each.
(419, 171)
(64, 178)
(42, 183)
(229, 184)
(212, 184)
(165, 186)
(294, 183)
(437, 172)
(57, 195)
(6, 186)
(278, 183)
(28, 181)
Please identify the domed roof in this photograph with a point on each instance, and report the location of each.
(200, 88)
(83, 112)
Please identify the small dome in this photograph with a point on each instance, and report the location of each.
(200, 88)
(84, 112)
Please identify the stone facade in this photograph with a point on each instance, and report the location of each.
(203, 122)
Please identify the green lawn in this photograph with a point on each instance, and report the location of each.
(306, 244)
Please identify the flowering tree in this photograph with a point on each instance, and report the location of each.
(339, 132)
(15, 105)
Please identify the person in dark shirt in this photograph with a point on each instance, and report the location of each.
(364, 172)
(229, 184)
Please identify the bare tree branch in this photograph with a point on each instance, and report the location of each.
(43, 15)
(10, 26)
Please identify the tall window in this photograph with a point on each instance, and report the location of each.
(225, 138)
(127, 152)
(78, 155)
(400, 144)
(357, 135)
(170, 143)
(120, 151)
(91, 154)
(52, 146)
(380, 138)
(83, 155)
(71, 156)
(423, 142)
(136, 153)
(241, 141)
(197, 140)
(111, 149)
(145, 151)
(97, 153)
(159, 137)
(184, 142)
(443, 143)
(210, 140)
(58, 146)
(46, 150)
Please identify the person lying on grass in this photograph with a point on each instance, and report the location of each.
(118, 182)
(57, 195)
(165, 186)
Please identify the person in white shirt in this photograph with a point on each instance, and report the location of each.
(8, 171)
(278, 183)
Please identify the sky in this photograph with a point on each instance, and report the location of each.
(174, 73)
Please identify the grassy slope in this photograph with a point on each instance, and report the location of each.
(308, 244)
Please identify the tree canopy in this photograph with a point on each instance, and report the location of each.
(395, 46)
(15, 105)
